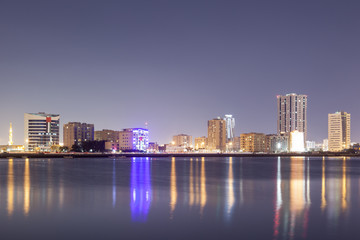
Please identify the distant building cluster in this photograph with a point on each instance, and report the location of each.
(42, 134)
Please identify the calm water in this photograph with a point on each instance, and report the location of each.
(180, 198)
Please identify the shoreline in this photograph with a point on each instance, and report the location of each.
(163, 155)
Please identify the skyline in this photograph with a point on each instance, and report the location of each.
(177, 65)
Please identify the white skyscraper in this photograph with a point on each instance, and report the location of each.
(230, 126)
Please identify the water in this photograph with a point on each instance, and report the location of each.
(180, 198)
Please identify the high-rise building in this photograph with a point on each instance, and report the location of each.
(182, 140)
(338, 131)
(216, 134)
(41, 131)
(253, 142)
(76, 132)
(230, 127)
(292, 114)
(134, 139)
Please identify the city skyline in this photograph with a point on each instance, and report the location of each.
(177, 65)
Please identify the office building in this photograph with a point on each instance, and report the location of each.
(253, 142)
(292, 114)
(134, 139)
(338, 131)
(76, 132)
(41, 131)
(217, 135)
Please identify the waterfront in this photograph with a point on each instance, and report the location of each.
(180, 198)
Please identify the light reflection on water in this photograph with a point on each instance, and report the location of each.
(292, 198)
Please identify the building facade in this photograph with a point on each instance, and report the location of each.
(253, 142)
(107, 135)
(292, 114)
(230, 128)
(200, 143)
(76, 132)
(134, 139)
(217, 135)
(183, 140)
(338, 131)
(41, 131)
(279, 143)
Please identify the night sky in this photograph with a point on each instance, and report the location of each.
(177, 64)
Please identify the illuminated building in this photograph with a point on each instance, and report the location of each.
(200, 143)
(279, 143)
(11, 135)
(339, 131)
(292, 114)
(297, 141)
(252, 142)
(134, 139)
(230, 126)
(325, 145)
(75, 133)
(41, 131)
(310, 145)
(216, 135)
(11, 147)
(153, 147)
(182, 140)
(236, 144)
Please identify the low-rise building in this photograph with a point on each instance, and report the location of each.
(76, 133)
(200, 143)
(134, 139)
(253, 142)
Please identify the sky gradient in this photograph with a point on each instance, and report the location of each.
(177, 64)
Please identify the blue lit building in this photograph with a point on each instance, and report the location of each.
(134, 139)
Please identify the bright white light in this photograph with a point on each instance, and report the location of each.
(297, 141)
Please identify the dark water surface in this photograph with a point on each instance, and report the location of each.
(180, 198)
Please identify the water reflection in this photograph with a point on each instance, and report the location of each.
(292, 199)
(336, 192)
(197, 184)
(10, 187)
(173, 190)
(221, 192)
(26, 187)
(141, 193)
(230, 198)
(203, 196)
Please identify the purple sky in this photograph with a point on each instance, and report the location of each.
(177, 64)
